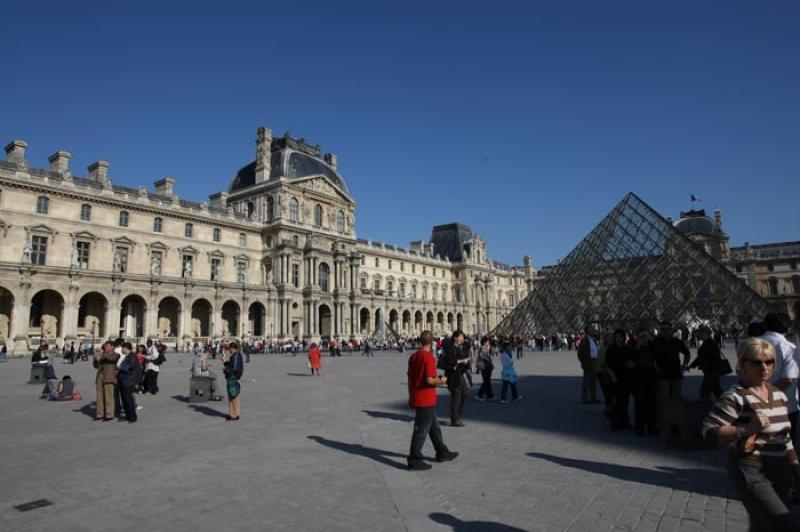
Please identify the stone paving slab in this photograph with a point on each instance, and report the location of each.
(328, 453)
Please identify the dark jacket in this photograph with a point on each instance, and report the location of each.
(234, 366)
(668, 356)
(620, 360)
(130, 371)
(451, 354)
(708, 357)
(645, 366)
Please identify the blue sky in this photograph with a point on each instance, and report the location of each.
(526, 120)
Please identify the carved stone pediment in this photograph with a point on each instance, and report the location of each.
(323, 186)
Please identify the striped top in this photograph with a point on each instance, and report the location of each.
(736, 407)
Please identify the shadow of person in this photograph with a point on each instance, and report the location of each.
(89, 409)
(368, 452)
(702, 481)
(181, 398)
(208, 411)
(388, 415)
(459, 525)
(299, 374)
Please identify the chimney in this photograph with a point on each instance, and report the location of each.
(332, 160)
(98, 171)
(165, 187)
(718, 217)
(263, 154)
(527, 260)
(15, 151)
(59, 162)
(219, 200)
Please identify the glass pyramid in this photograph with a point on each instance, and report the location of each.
(634, 269)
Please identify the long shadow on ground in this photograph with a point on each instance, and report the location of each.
(378, 455)
(471, 526)
(702, 481)
(550, 404)
(208, 411)
(389, 415)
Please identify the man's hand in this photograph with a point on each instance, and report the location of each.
(442, 380)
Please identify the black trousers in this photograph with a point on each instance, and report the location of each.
(458, 396)
(645, 399)
(426, 424)
(486, 387)
(128, 404)
(151, 381)
(710, 385)
(619, 412)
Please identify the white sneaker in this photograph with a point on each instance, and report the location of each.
(519, 398)
(139, 407)
(478, 398)
(503, 402)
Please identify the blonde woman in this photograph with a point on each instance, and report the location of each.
(752, 420)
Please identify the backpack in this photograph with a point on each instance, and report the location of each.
(160, 359)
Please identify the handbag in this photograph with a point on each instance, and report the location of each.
(723, 366)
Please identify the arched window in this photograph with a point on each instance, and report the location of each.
(294, 210)
(123, 218)
(340, 222)
(324, 274)
(86, 212)
(318, 215)
(217, 234)
(270, 208)
(157, 225)
(251, 209)
(42, 204)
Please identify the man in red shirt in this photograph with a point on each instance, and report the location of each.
(422, 382)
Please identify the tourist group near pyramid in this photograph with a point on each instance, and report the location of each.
(634, 269)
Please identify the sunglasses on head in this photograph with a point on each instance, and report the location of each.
(765, 363)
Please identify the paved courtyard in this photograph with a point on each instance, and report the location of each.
(328, 453)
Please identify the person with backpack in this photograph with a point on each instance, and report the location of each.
(154, 359)
(127, 377)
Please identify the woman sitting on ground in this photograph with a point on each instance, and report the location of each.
(65, 390)
(752, 420)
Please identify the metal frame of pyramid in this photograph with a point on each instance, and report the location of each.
(634, 269)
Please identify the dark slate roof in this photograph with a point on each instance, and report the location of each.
(449, 239)
(290, 164)
(774, 249)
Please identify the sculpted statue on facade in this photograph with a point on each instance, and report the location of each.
(155, 266)
(117, 265)
(74, 258)
(187, 269)
(27, 253)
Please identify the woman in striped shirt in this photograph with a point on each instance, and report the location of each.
(751, 419)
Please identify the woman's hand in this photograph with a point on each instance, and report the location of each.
(757, 423)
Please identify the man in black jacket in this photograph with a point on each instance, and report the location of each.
(455, 361)
(667, 350)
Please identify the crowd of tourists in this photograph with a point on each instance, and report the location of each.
(756, 419)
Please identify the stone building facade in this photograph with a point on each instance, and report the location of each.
(770, 269)
(275, 255)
